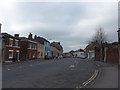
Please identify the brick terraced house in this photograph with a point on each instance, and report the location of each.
(40, 47)
(10, 47)
(28, 48)
(46, 44)
(58, 49)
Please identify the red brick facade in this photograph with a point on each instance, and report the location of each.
(28, 48)
(108, 53)
(112, 55)
(10, 48)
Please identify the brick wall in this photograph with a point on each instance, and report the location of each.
(97, 54)
(112, 54)
(26, 51)
(7, 48)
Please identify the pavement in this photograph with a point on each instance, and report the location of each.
(107, 77)
(63, 73)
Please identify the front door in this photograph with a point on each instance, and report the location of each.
(17, 56)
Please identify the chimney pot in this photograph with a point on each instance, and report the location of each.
(35, 36)
(16, 35)
(30, 36)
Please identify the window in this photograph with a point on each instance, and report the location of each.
(41, 54)
(30, 46)
(35, 47)
(10, 54)
(11, 42)
(34, 55)
(16, 42)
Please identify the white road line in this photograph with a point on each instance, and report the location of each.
(71, 66)
(8, 69)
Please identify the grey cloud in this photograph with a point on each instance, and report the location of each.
(70, 23)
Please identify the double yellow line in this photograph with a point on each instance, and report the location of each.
(88, 81)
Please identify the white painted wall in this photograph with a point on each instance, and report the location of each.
(91, 54)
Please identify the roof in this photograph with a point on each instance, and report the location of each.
(81, 50)
(57, 45)
(91, 46)
(8, 35)
(26, 39)
(41, 40)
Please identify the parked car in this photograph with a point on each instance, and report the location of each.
(82, 57)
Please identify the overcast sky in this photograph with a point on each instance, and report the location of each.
(71, 23)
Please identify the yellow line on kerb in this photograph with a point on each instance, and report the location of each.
(88, 81)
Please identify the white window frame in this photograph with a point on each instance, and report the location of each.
(17, 43)
(30, 46)
(34, 54)
(10, 57)
(10, 39)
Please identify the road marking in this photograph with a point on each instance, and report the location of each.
(71, 66)
(88, 81)
(91, 78)
(9, 69)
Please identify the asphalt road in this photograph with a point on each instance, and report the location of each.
(63, 73)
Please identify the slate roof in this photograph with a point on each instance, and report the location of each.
(41, 40)
(8, 35)
(26, 39)
(57, 45)
(80, 50)
(91, 46)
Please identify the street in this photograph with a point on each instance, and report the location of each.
(63, 73)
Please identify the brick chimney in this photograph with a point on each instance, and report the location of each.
(16, 35)
(35, 36)
(30, 36)
(59, 43)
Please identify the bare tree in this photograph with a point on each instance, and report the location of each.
(98, 39)
(99, 36)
